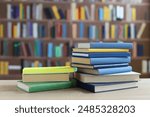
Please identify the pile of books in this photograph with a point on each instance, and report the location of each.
(46, 78)
(104, 66)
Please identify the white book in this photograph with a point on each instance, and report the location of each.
(107, 30)
(144, 66)
(18, 30)
(34, 11)
(141, 30)
(121, 12)
(39, 9)
(24, 30)
(92, 12)
(87, 12)
(114, 13)
(111, 11)
(128, 13)
(73, 11)
(8, 11)
(132, 27)
(9, 29)
(119, 77)
(35, 30)
(28, 12)
(14, 67)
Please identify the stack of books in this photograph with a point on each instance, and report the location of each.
(104, 66)
(46, 78)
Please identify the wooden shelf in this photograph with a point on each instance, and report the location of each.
(11, 77)
(145, 75)
(141, 58)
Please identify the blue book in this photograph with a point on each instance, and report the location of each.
(119, 45)
(81, 28)
(92, 31)
(104, 54)
(50, 50)
(64, 30)
(100, 87)
(99, 61)
(99, 66)
(140, 50)
(104, 71)
(100, 14)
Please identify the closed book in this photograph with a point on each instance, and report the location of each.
(64, 30)
(100, 87)
(82, 14)
(141, 30)
(56, 13)
(104, 54)
(74, 31)
(104, 60)
(81, 29)
(100, 14)
(61, 13)
(45, 77)
(99, 66)
(109, 78)
(144, 66)
(49, 70)
(104, 71)
(106, 13)
(50, 50)
(100, 50)
(45, 86)
(133, 14)
(105, 45)
(92, 12)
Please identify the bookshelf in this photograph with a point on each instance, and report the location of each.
(36, 30)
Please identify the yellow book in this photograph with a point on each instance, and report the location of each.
(82, 13)
(14, 31)
(55, 11)
(100, 50)
(77, 14)
(2, 67)
(1, 30)
(113, 31)
(49, 70)
(106, 13)
(126, 31)
(133, 14)
(36, 63)
(5, 68)
(20, 11)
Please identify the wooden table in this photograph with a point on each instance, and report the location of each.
(8, 90)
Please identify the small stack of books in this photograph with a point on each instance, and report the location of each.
(46, 78)
(104, 66)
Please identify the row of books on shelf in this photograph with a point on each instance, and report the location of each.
(35, 11)
(145, 66)
(35, 49)
(79, 30)
(107, 30)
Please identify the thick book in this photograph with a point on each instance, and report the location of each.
(118, 45)
(45, 86)
(99, 50)
(97, 55)
(104, 60)
(104, 71)
(49, 70)
(103, 87)
(98, 66)
(45, 77)
(109, 78)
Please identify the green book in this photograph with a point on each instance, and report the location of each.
(45, 86)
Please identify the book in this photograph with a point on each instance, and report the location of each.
(141, 30)
(81, 29)
(99, 87)
(104, 71)
(133, 14)
(104, 60)
(105, 45)
(45, 77)
(49, 70)
(55, 11)
(104, 54)
(99, 66)
(109, 78)
(45, 86)
(99, 50)
(144, 66)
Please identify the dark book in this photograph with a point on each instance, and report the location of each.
(49, 13)
(61, 13)
(16, 48)
(140, 50)
(53, 35)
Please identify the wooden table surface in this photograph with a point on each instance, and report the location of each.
(9, 91)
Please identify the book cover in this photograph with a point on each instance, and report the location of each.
(46, 86)
(104, 54)
(99, 87)
(99, 50)
(56, 13)
(104, 60)
(100, 14)
(49, 70)
(81, 28)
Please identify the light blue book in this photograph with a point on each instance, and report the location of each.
(100, 14)
(50, 50)
(64, 30)
(81, 28)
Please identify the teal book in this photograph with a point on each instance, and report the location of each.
(45, 86)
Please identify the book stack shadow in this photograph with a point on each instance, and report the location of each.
(104, 67)
(38, 79)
